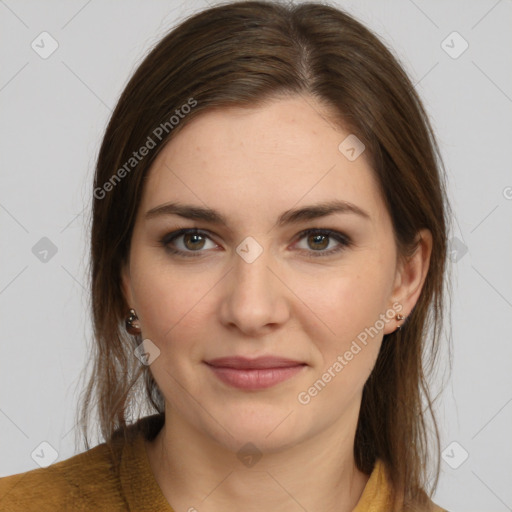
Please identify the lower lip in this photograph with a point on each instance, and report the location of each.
(255, 378)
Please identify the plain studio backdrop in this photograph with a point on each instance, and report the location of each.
(63, 67)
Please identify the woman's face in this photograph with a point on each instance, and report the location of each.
(255, 286)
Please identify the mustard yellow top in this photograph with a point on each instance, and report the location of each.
(122, 480)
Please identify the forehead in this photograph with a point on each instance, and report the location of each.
(257, 162)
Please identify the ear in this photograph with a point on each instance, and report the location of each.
(126, 284)
(410, 277)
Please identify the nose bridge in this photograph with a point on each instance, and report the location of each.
(254, 297)
(251, 273)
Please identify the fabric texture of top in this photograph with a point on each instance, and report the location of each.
(122, 480)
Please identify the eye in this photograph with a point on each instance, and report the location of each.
(192, 241)
(319, 239)
(189, 242)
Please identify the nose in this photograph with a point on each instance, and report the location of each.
(255, 300)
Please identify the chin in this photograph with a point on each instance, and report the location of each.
(259, 442)
(269, 433)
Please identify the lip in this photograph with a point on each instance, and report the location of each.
(253, 374)
(246, 363)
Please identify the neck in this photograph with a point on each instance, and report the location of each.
(195, 472)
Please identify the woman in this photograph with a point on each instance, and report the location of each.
(268, 253)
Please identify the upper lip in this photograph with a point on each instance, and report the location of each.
(258, 362)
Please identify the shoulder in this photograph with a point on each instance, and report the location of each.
(87, 481)
(113, 476)
(377, 495)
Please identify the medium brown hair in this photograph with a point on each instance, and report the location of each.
(244, 54)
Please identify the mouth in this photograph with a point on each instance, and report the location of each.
(254, 374)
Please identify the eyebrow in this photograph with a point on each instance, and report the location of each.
(288, 217)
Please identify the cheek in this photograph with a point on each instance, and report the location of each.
(349, 333)
(347, 301)
(351, 307)
(166, 298)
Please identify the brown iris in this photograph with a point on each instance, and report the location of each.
(315, 237)
(194, 238)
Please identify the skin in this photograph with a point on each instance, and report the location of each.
(252, 165)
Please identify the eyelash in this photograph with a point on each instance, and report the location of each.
(339, 237)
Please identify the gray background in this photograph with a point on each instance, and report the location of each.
(53, 113)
